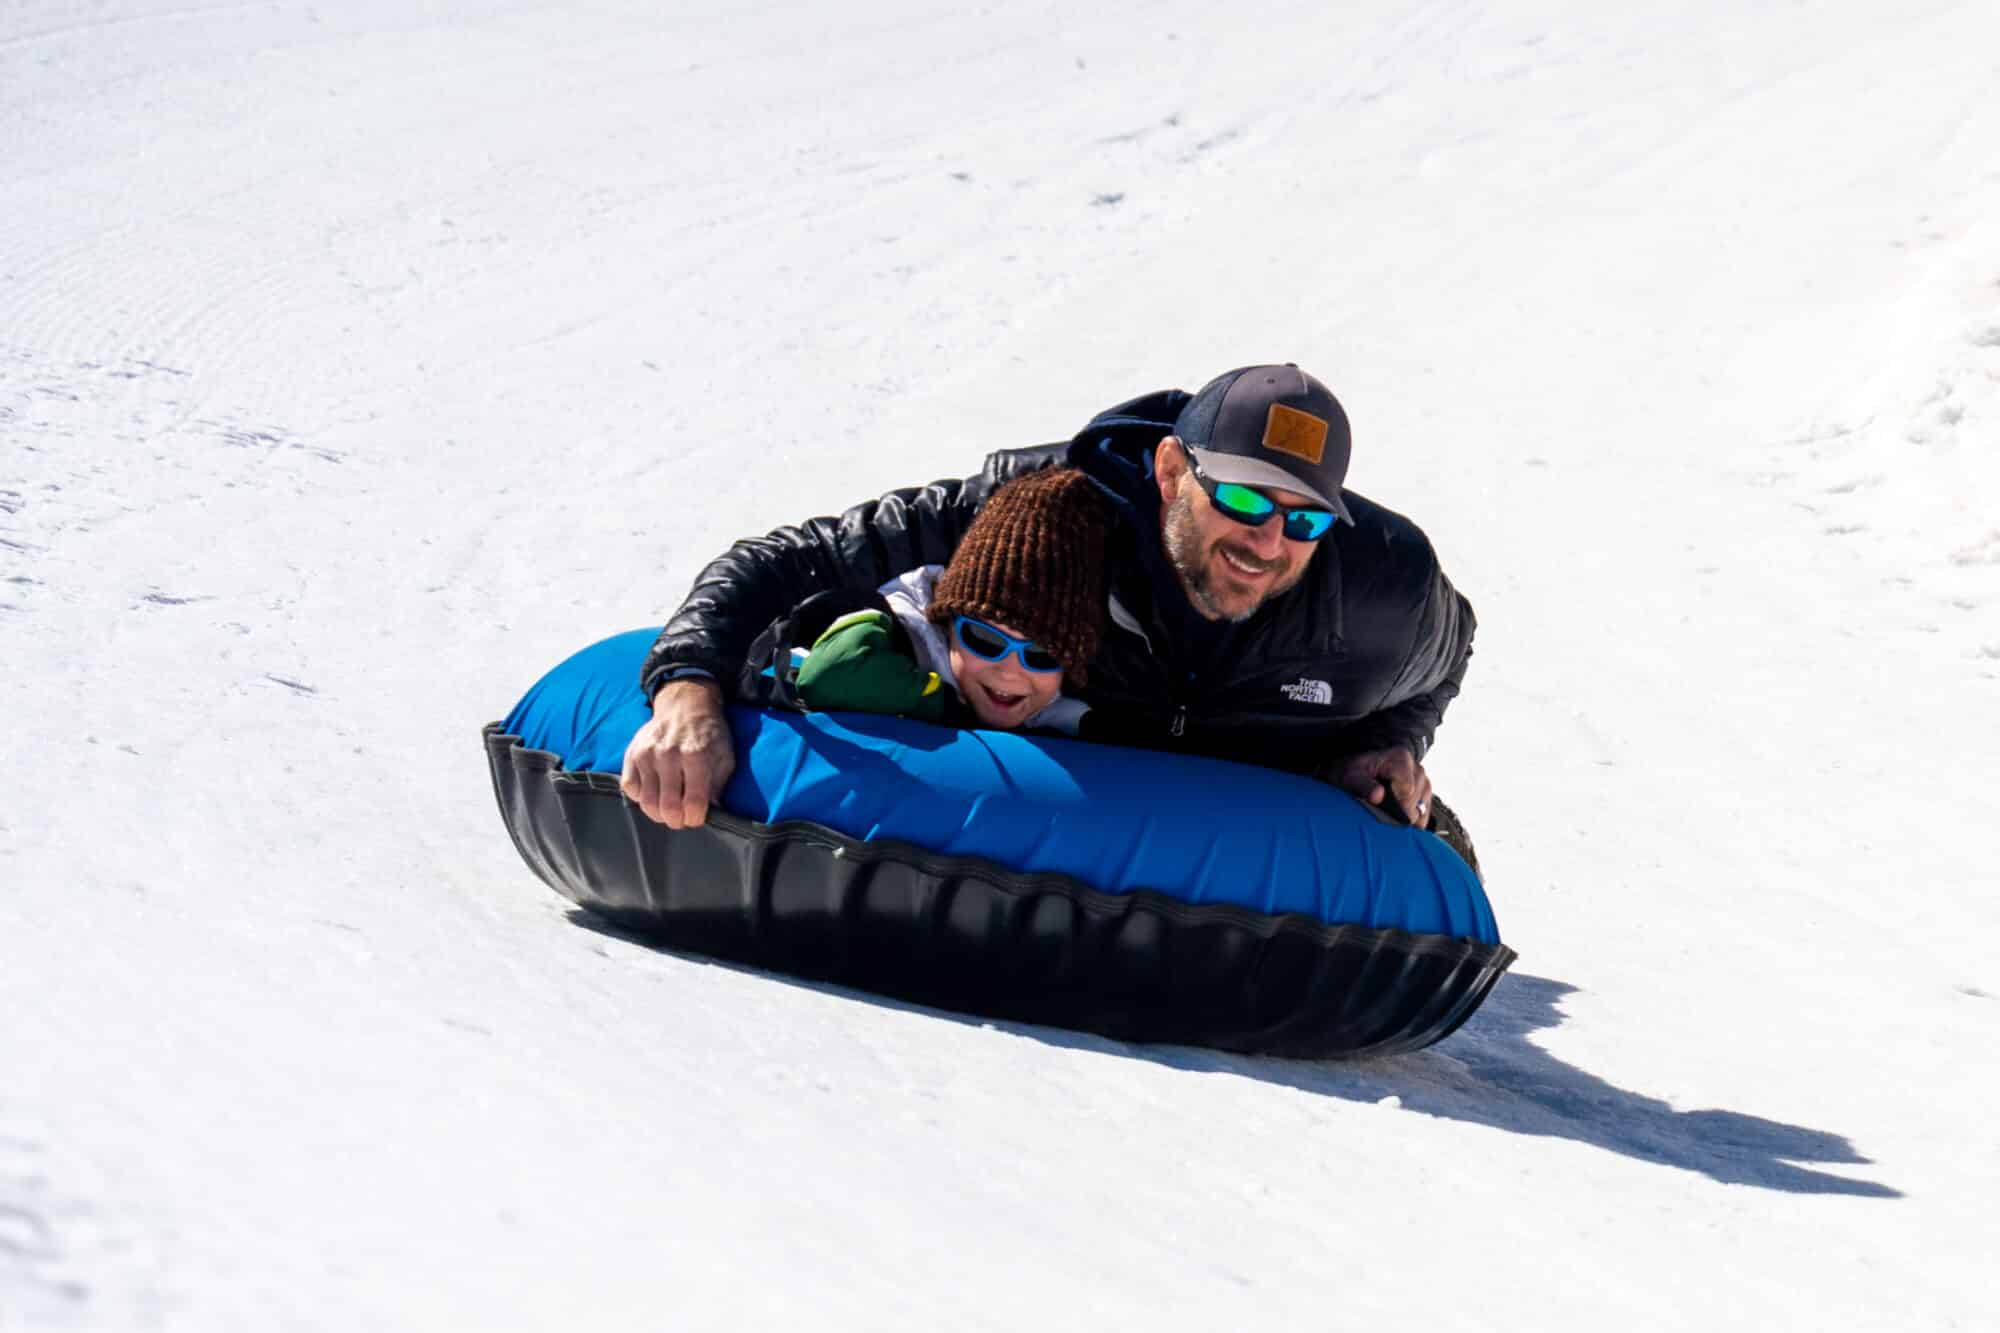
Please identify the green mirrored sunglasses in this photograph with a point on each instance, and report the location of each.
(1253, 508)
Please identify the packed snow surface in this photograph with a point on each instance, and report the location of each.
(359, 361)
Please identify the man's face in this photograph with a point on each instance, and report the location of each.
(1228, 569)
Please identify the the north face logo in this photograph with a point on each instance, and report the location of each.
(1306, 691)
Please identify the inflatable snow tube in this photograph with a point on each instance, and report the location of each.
(1143, 896)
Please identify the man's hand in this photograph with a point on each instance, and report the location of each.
(678, 763)
(1375, 773)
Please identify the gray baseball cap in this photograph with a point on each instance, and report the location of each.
(1273, 427)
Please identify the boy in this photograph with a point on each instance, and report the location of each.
(989, 639)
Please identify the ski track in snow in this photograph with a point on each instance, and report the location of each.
(62, 1264)
(360, 363)
(1917, 488)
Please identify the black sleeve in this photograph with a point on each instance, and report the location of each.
(1433, 671)
(760, 579)
(768, 678)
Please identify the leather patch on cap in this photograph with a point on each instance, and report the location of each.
(1290, 431)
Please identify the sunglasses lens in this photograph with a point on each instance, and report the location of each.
(982, 640)
(1242, 503)
(1308, 525)
(1039, 659)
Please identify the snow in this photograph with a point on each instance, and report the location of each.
(361, 361)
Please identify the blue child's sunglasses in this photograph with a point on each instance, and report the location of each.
(995, 645)
(1254, 508)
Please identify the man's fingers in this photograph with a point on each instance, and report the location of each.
(662, 804)
(1406, 798)
(1413, 793)
(677, 791)
(636, 786)
(1373, 776)
(678, 762)
(690, 803)
(636, 781)
(652, 782)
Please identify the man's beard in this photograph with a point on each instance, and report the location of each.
(1180, 533)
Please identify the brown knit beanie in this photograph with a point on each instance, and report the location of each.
(1033, 559)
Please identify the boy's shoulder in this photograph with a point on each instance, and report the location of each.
(913, 588)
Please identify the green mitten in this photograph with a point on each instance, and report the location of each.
(857, 665)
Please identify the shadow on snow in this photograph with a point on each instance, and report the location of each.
(1490, 1073)
(1487, 1073)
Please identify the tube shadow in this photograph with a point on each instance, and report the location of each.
(1487, 1073)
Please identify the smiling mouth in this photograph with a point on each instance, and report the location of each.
(1003, 700)
(1247, 566)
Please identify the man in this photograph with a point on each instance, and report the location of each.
(1257, 611)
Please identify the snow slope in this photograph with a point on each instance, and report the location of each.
(357, 362)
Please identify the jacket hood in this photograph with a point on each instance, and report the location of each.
(1116, 448)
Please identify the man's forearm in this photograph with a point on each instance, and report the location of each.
(762, 578)
(1411, 724)
(733, 598)
(1441, 649)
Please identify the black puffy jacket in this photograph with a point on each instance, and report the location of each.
(1364, 652)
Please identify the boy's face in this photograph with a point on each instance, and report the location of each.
(1002, 694)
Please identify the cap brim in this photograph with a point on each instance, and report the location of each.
(1264, 476)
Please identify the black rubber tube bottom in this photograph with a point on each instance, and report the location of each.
(966, 934)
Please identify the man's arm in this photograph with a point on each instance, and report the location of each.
(761, 578)
(679, 762)
(1433, 670)
(1384, 751)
